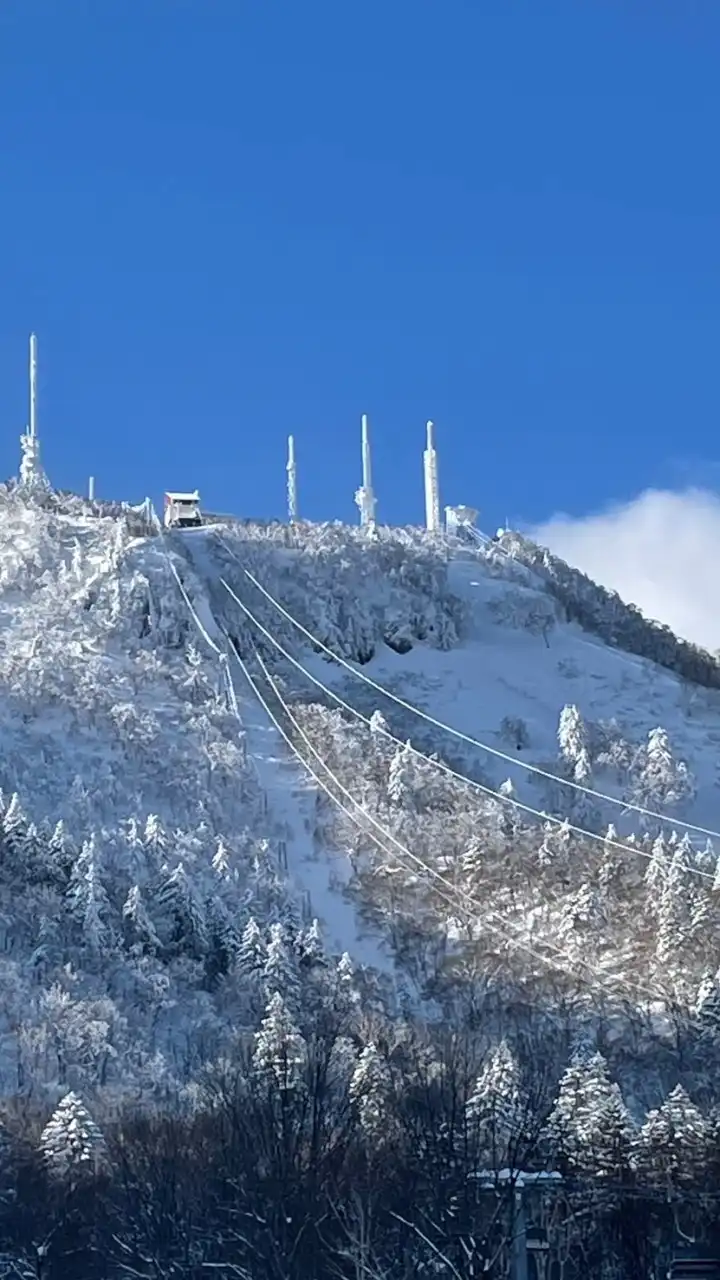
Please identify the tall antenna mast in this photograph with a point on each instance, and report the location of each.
(33, 387)
(31, 472)
(292, 498)
(432, 489)
(365, 497)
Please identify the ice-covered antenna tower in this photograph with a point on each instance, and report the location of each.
(31, 472)
(365, 498)
(432, 490)
(291, 469)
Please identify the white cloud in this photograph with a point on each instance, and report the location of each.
(659, 551)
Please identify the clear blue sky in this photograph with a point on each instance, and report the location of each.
(231, 219)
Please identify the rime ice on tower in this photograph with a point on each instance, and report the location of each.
(432, 489)
(292, 497)
(365, 498)
(32, 475)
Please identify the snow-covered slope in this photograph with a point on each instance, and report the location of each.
(157, 828)
(478, 641)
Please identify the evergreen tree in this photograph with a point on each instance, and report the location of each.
(177, 897)
(401, 778)
(672, 1145)
(221, 859)
(496, 1107)
(280, 1051)
(573, 740)
(88, 898)
(371, 1092)
(61, 854)
(155, 840)
(14, 828)
(310, 945)
(252, 950)
(71, 1143)
(280, 971)
(660, 781)
(590, 1128)
(658, 866)
(139, 928)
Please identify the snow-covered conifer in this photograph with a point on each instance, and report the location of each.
(496, 1107)
(140, 929)
(672, 1144)
(573, 740)
(252, 950)
(378, 724)
(14, 826)
(280, 971)
(660, 780)
(88, 897)
(178, 898)
(659, 864)
(155, 838)
(590, 1126)
(71, 1143)
(401, 778)
(221, 859)
(280, 1051)
(371, 1091)
(60, 852)
(310, 945)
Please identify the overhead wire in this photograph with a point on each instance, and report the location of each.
(626, 806)
(457, 902)
(499, 796)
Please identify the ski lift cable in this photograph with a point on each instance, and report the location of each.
(456, 901)
(561, 823)
(627, 807)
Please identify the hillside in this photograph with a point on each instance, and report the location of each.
(180, 896)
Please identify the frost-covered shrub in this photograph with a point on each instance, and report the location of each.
(528, 610)
(351, 594)
(514, 730)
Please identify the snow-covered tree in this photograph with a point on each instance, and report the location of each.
(401, 778)
(139, 928)
(371, 1092)
(178, 898)
(660, 780)
(88, 897)
(590, 1128)
(280, 1051)
(496, 1109)
(72, 1145)
(310, 945)
(574, 743)
(280, 970)
(60, 851)
(672, 1145)
(221, 859)
(252, 950)
(155, 838)
(658, 866)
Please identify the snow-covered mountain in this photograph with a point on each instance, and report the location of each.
(203, 849)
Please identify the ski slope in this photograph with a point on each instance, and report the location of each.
(499, 669)
(317, 875)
